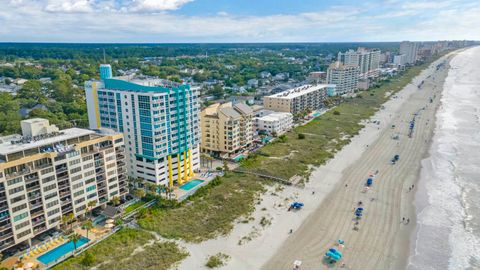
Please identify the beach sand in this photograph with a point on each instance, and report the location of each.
(382, 241)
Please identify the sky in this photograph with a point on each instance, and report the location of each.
(172, 21)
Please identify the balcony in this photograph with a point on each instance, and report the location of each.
(35, 205)
(38, 221)
(64, 194)
(61, 169)
(37, 213)
(6, 236)
(33, 187)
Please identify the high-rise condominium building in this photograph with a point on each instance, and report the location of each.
(410, 50)
(159, 120)
(48, 173)
(367, 61)
(226, 128)
(299, 99)
(344, 77)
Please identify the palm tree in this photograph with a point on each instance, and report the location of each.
(75, 237)
(71, 219)
(139, 193)
(116, 200)
(152, 188)
(90, 206)
(87, 225)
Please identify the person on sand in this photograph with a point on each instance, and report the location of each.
(408, 220)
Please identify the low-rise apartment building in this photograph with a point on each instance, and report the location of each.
(274, 124)
(300, 99)
(226, 128)
(48, 173)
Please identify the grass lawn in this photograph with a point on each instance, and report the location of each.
(133, 206)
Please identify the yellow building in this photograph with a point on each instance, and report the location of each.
(226, 128)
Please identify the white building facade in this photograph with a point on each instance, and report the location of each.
(275, 123)
(367, 61)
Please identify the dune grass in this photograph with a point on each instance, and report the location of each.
(325, 135)
(209, 212)
(116, 247)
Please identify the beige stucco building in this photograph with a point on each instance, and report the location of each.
(226, 128)
(299, 99)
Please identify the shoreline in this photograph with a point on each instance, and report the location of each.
(325, 181)
(408, 241)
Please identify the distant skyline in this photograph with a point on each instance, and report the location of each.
(170, 21)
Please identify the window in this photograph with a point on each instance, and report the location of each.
(89, 181)
(73, 162)
(75, 170)
(78, 185)
(20, 217)
(89, 165)
(47, 170)
(14, 181)
(92, 196)
(23, 234)
(17, 199)
(15, 190)
(52, 203)
(51, 195)
(76, 178)
(18, 208)
(48, 179)
(81, 208)
(87, 158)
(89, 173)
(21, 225)
(79, 200)
(78, 193)
(53, 212)
(90, 188)
(50, 187)
(53, 220)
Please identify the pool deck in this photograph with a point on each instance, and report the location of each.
(182, 194)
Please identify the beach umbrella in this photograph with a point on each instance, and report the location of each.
(29, 265)
(110, 220)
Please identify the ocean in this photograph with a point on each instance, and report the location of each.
(447, 202)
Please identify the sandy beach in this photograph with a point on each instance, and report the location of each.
(333, 191)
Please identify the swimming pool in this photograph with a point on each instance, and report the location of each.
(59, 251)
(191, 184)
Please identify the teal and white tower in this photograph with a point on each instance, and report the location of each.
(159, 120)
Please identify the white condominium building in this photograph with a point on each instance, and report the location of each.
(410, 50)
(344, 77)
(159, 120)
(299, 99)
(226, 128)
(275, 123)
(367, 61)
(48, 173)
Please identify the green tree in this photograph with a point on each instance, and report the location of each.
(32, 90)
(87, 225)
(115, 200)
(75, 237)
(139, 193)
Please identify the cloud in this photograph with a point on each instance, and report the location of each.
(150, 21)
(69, 6)
(156, 5)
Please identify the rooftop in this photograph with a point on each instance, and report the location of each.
(15, 143)
(274, 116)
(299, 91)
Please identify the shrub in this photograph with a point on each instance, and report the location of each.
(301, 136)
(217, 260)
(336, 112)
